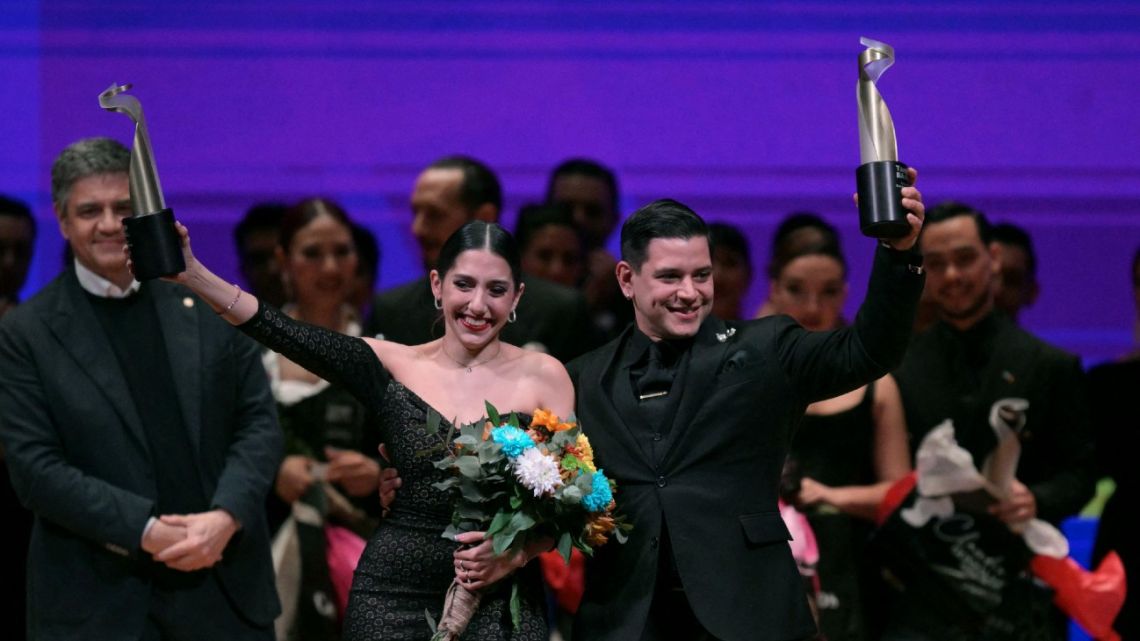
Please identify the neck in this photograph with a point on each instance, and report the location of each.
(328, 316)
(464, 357)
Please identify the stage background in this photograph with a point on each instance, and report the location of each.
(745, 111)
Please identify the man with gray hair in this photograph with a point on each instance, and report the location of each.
(139, 429)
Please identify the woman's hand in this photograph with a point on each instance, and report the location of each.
(812, 492)
(293, 478)
(355, 472)
(478, 567)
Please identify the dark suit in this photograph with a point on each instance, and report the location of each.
(742, 392)
(79, 458)
(549, 314)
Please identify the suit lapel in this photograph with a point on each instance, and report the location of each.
(80, 333)
(620, 399)
(180, 333)
(708, 351)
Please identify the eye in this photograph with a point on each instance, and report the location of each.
(311, 253)
(462, 284)
(703, 276)
(498, 290)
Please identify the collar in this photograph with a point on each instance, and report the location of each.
(638, 344)
(96, 285)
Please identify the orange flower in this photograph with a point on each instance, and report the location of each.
(487, 427)
(598, 528)
(558, 427)
(543, 418)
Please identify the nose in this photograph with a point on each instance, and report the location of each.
(478, 302)
(687, 291)
(109, 222)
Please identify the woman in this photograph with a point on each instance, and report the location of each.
(327, 431)
(848, 449)
(407, 567)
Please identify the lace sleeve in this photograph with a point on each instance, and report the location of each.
(345, 361)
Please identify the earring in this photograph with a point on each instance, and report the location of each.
(512, 317)
(438, 303)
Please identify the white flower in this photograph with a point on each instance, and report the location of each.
(537, 471)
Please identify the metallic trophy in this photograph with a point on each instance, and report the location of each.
(156, 248)
(881, 177)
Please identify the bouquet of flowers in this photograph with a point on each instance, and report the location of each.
(520, 483)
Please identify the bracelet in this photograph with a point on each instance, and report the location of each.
(232, 302)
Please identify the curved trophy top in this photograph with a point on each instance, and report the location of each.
(876, 128)
(146, 191)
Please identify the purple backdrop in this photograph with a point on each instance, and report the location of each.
(744, 110)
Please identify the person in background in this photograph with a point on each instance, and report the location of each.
(590, 190)
(256, 237)
(1017, 286)
(974, 363)
(330, 440)
(1116, 428)
(449, 193)
(139, 429)
(732, 270)
(17, 241)
(550, 244)
(848, 450)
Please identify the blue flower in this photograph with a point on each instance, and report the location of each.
(600, 496)
(513, 440)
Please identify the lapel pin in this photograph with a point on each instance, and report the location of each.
(187, 302)
(1007, 376)
(727, 334)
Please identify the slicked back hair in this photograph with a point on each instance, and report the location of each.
(665, 218)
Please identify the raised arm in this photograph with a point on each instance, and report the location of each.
(342, 360)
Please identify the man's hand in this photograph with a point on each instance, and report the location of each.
(161, 536)
(293, 478)
(912, 201)
(207, 534)
(1019, 507)
(355, 472)
(389, 482)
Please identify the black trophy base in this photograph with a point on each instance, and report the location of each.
(156, 249)
(881, 214)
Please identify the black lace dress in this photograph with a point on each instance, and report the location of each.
(407, 566)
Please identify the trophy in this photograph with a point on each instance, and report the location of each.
(881, 177)
(156, 249)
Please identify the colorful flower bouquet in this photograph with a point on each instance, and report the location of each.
(518, 484)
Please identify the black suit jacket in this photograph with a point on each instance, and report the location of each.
(549, 315)
(937, 382)
(79, 459)
(716, 485)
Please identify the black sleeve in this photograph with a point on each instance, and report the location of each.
(345, 361)
(1070, 431)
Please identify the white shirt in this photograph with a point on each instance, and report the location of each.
(96, 285)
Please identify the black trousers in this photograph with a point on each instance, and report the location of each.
(199, 612)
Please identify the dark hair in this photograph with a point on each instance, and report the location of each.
(17, 209)
(731, 238)
(259, 216)
(480, 185)
(83, 158)
(803, 234)
(481, 235)
(533, 218)
(1010, 234)
(590, 169)
(367, 252)
(952, 209)
(305, 212)
(665, 218)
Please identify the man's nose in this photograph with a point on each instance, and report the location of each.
(110, 222)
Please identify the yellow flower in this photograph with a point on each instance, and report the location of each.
(585, 452)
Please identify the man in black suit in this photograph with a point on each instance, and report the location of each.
(975, 362)
(449, 193)
(693, 417)
(139, 429)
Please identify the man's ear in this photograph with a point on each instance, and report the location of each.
(624, 273)
(59, 216)
(487, 212)
(995, 257)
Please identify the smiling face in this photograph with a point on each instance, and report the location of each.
(477, 294)
(811, 289)
(320, 263)
(961, 271)
(672, 292)
(92, 223)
